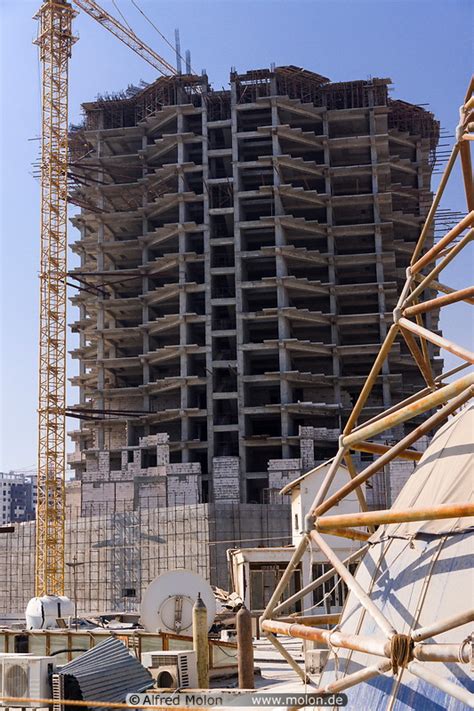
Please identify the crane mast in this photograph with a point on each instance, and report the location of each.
(55, 41)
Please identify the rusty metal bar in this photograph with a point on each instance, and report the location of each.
(469, 105)
(445, 685)
(327, 481)
(334, 638)
(412, 398)
(382, 354)
(429, 278)
(440, 626)
(355, 587)
(470, 90)
(443, 652)
(353, 473)
(419, 358)
(356, 678)
(286, 577)
(404, 443)
(312, 619)
(406, 413)
(378, 518)
(430, 255)
(466, 164)
(374, 448)
(435, 203)
(437, 340)
(426, 354)
(319, 581)
(445, 289)
(351, 533)
(431, 304)
(285, 654)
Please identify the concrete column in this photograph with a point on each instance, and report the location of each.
(378, 250)
(208, 293)
(239, 307)
(333, 306)
(281, 270)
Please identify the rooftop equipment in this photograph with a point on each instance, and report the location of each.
(167, 603)
(172, 670)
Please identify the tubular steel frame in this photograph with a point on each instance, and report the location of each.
(436, 393)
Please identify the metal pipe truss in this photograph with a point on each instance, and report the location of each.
(408, 323)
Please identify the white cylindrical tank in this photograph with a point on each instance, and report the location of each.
(42, 612)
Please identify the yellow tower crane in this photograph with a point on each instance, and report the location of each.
(55, 40)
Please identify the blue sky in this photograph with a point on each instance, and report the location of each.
(425, 46)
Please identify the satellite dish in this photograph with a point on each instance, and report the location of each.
(167, 604)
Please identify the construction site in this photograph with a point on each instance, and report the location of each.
(270, 489)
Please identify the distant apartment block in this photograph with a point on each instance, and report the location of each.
(17, 497)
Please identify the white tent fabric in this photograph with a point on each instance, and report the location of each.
(444, 475)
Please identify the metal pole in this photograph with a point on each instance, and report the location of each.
(404, 443)
(406, 413)
(375, 448)
(430, 255)
(437, 340)
(466, 164)
(431, 304)
(419, 359)
(331, 619)
(245, 649)
(353, 473)
(442, 683)
(428, 279)
(286, 655)
(353, 679)
(364, 394)
(460, 653)
(351, 533)
(354, 586)
(285, 578)
(327, 481)
(379, 518)
(318, 582)
(436, 200)
(201, 642)
(412, 398)
(358, 643)
(448, 623)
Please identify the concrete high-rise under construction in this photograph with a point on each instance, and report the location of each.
(240, 253)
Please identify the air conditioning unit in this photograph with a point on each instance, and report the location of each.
(26, 676)
(172, 670)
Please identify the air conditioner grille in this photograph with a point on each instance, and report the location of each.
(15, 680)
(57, 684)
(161, 660)
(183, 671)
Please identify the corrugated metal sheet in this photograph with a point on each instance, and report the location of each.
(107, 672)
(417, 575)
